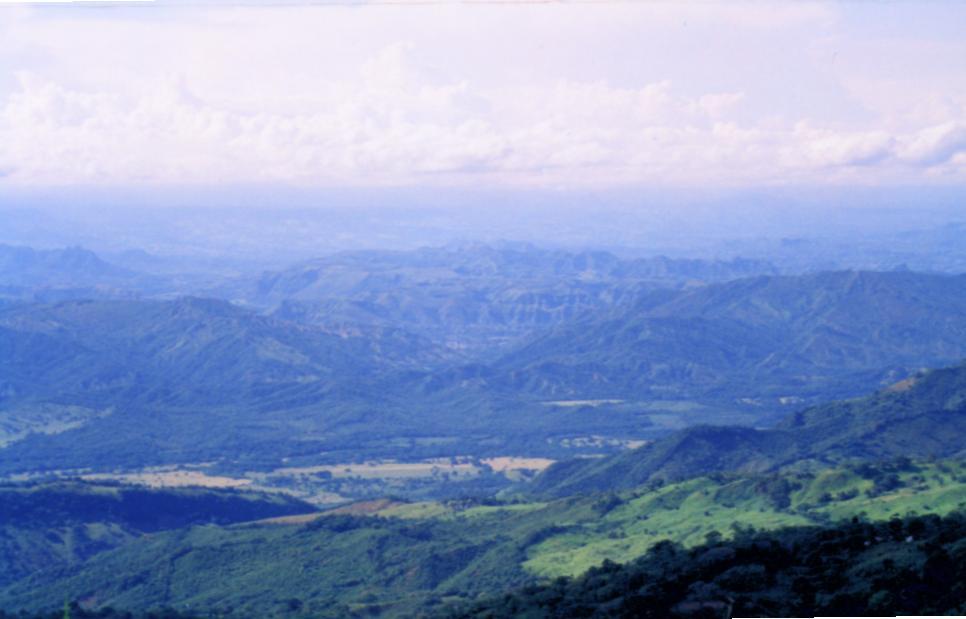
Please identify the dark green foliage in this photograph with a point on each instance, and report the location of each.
(75, 611)
(58, 503)
(915, 565)
(260, 570)
(55, 525)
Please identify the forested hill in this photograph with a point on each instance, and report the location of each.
(53, 525)
(189, 350)
(915, 565)
(53, 504)
(396, 559)
(108, 377)
(912, 565)
(922, 417)
(833, 334)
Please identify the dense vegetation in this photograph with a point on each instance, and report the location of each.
(145, 509)
(55, 525)
(407, 557)
(138, 383)
(913, 565)
(76, 611)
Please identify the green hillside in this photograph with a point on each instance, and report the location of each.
(914, 565)
(104, 381)
(687, 511)
(922, 417)
(409, 557)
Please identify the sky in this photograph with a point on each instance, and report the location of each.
(589, 96)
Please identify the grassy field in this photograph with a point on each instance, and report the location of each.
(174, 478)
(689, 511)
(340, 483)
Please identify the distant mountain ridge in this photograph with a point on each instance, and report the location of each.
(18, 264)
(473, 295)
(110, 380)
(835, 333)
(523, 262)
(28, 274)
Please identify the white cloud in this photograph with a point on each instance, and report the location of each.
(934, 145)
(826, 148)
(570, 96)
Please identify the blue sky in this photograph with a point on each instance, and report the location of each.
(549, 96)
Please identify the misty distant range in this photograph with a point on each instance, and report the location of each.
(449, 351)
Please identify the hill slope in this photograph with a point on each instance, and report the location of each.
(113, 383)
(129, 377)
(55, 525)
(408, 558)
(921, 417)
(916, 565)
(826, 335)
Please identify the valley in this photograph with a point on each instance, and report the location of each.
(336, 484)
(86, 382)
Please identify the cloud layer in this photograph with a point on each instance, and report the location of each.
(558, 95)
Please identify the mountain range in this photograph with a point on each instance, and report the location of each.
(97, 381)
(835, 333)
(472, 297)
